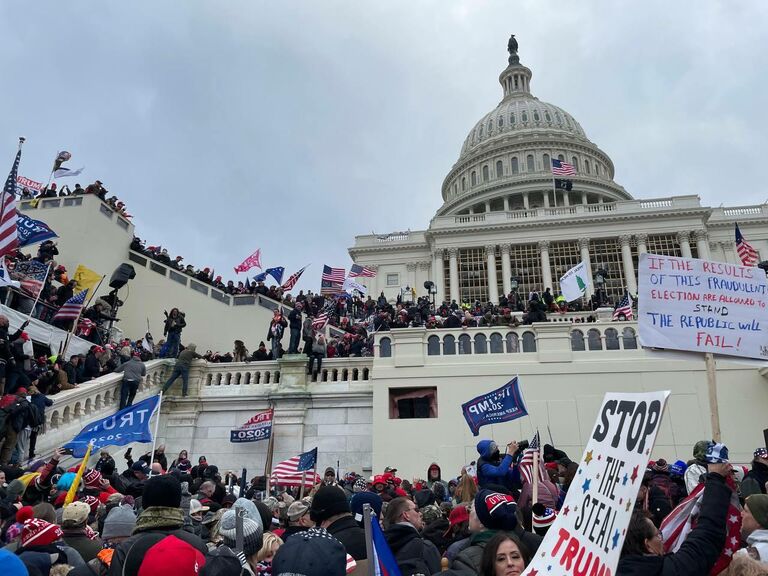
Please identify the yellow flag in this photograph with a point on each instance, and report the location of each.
(79, 476)
(85, 279)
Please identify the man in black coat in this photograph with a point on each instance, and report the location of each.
(414, 555)
(294, 323)
(330, 510)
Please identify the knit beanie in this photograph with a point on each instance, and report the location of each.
(266, 515)
(757, 504)
(496, 511)
(45, 511)
(361, 499)
(424, 498)
(36, 532)
(700, 449)
(660, 466)
(542, 518)
(162, 491)
(92, 501)
(92, 479)
(251, 510)
(431, 513)
(119, 522)
(313, 552)
(360, 485)
(75, 515)
(328, 501)
(760, 453)
(252, 533)
(10, 565)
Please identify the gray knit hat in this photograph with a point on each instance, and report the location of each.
(119, 523)
(252, 533)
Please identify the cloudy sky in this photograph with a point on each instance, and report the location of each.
(227, 125)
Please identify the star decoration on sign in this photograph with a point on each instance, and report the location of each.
(599, 457)
(624, 480)
(634, 474)
(549, 568)
(597, 477)
(615, 540)
(629, 504)
(534, 572)
(565, 511)
(588, 457)
(585, 486)
(621, 501)
(648, 451)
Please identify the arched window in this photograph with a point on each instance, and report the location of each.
(561, 157)
(611, 339)
(513, 345)
(529, 342)
(486, 174)
(473, 178)
(385, 348)
(536, 117)
(529, 163)
(514, 165)
(433, 346)
(597, 169)
(480, 132)
(577, 341)
(481, 344)
(490, 126)
(525, 116)
(501, 121)
(586, 166)
(575, 162)
(630, 339)
(499, 169)
(497, 344)
(593, 340)
(465, 344)
(463, 184)
(547, 162)
(547, 116)
(512, 118)
(449, 345)
(557, 117)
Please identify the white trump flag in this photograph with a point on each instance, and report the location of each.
(574, 283)
(350, 286)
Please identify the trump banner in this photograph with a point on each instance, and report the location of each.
(500, 405)
(588, 533)
(32, 231)
(129, 425)
(702, 306)
(257, 428)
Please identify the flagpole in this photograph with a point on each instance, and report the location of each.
(369, 540)
(270, 449)
(157, 427)
(714, 410)
(74, 326)
(47, 272)
(535, 495)
(303, 479)
(2, 203)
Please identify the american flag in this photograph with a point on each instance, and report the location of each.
(289, 472)
(363, 271)
(9, 235)
(526, 463)
(560, 168)
(334, 275)
(624, 308)
(328, 288)
(70, 310)
(319, 321)
(748, 255)
(31, 274)
(292, 279)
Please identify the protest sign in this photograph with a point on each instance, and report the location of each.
(587, 536)
(703, 306)
(24, 182)
(500, 405)
(259, 427)
(32, 231)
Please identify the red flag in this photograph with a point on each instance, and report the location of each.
(252, 260)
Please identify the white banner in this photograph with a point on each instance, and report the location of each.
(350, 286)
(587, 536)
(574, 283)
(703, 306)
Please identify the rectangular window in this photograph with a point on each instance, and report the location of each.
(526, 269)
(393, 279)
(133, 257)
(605, 253)
(473, 275)
(406, 403)
(202, 288)
(157, 268)
(180, 278)
(562, 257)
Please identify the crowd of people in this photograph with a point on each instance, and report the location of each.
(97, 189)
(150, 516)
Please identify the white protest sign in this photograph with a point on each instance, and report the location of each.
(703, 306)
(587, 536)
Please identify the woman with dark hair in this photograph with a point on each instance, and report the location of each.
(643, 551)
(504, 555)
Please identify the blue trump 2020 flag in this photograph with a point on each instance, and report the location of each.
(501, 405)
(32, 231)
(129, 425)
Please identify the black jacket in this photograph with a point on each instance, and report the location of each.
(294, 317)
(755, 479)
(701, 548)
(412, 553)
(435, 533)
(347, 531)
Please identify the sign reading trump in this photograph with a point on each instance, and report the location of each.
(500, 405)
(587, 536)
(259, 427)
(703, 306)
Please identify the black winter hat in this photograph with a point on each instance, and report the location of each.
(424, 498)
(496, 511)
(313, 552)
(162, 491)
(329, 501)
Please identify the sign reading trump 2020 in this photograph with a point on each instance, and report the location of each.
(259, 427)
(500, 405)
(588, 533)
(703, 306)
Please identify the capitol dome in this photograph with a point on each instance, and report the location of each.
(505, 161)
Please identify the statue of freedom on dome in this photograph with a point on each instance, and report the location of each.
(512, 49)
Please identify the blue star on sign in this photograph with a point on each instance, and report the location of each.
(625, 480)
(615, 540)
(585, 486)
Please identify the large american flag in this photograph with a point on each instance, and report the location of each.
(560, 168)
(748, 255)
(289, 472)
(334, 275)
(292, 279)
(70, 310)
(363, 271)
(9, 235)
(526, 463)
(624, 308)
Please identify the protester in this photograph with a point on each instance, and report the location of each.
(413, 554)
(755, 480)
(174, 324)
(134, 372)
(754, 527)
(181, 369)
(504, 555)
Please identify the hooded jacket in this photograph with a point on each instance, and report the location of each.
(490, 473)
(411, 551)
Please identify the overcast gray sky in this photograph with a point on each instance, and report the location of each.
(229, 125)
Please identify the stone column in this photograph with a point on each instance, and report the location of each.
(685, 245)
(584, 198)
(506, 269)
(453, 268)
(493, 287)
(546, 270)
(702, 244)
(487, 206)
(411, 267)
(584, 246)
(422, 276)
(506, 203)
(717, 252)
(438, 275)
(626, 260)
(566, 198)
(526, 203)
(546, 198)
(641, 240)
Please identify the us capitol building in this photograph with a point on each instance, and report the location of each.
(502, 222)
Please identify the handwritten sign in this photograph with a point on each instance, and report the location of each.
(587, 536)
(500, 405)
(690, 304)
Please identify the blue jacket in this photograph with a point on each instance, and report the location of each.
(488, 473)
